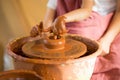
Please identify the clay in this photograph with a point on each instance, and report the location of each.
(54, 49)
(51, 68)
(21, 74)
(52, 54)
(49, 72)
(15, 49)
(55, 45)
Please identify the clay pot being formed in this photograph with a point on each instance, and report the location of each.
(80, 68)
(19, 75)
(54, 43)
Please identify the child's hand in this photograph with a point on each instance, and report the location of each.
(34, 31)
(58, 26)
(37, 30)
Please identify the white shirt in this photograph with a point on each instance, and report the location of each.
(103, 7)
(52, 4)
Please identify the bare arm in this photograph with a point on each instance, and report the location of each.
(49, 17)
(113, 30)
(114, 27)
(47, 22)
(81, 13)
(73, 16)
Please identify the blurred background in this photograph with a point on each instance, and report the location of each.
(17, 17)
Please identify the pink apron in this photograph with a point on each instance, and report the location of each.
(107, 67)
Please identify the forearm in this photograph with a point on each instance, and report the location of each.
(114, 27)
(49, 17)
(77, 15)
(81, 13)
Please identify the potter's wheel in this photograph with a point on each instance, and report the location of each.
(54, 45)
(38, 55)
(37, 49)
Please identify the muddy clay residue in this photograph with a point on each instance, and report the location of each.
(52, 68)
(70, 50)
(19, 74)
(16, 48)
